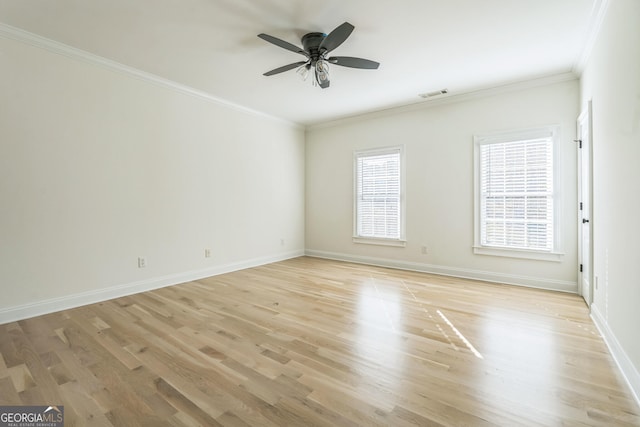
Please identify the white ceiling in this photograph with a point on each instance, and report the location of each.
(422, 45)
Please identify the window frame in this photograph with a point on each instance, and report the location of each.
(384, 241)
(552, 132)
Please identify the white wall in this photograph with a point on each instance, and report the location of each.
(611, 80)
(439, 152)
(98, 167)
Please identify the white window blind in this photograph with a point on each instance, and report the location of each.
(378, 194)
(516, 194)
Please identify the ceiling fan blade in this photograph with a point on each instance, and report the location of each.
(336, 37)
(283, 44)
(284, 68)
(349, 61)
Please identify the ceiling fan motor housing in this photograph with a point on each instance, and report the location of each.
(311, 44)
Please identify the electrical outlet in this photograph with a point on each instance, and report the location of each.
(423, 249)
(142, 262)
(207, 253)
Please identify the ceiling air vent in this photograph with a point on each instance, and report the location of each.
(434, 93)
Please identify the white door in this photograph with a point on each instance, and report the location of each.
(585, 246)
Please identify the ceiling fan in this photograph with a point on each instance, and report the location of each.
(316, 46)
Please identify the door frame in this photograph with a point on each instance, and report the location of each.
(585, 208)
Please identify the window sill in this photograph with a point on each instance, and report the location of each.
(518, 253)
(381, 242)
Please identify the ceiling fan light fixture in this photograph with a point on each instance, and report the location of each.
(322, 72)
(303, 71)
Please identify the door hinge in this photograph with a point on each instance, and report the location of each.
(580, 205)
(580, 268)
(579, 141)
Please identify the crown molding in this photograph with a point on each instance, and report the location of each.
(451, 98)
(596, 19)
(26, 37)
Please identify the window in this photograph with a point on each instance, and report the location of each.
(379, 196)
(515, 194)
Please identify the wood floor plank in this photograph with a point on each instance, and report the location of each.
(313, 342)
(80, 408)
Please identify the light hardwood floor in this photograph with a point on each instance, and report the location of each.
(316, 342)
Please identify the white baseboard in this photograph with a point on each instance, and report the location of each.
(628, 370)
(489, 276)
(38, 308)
